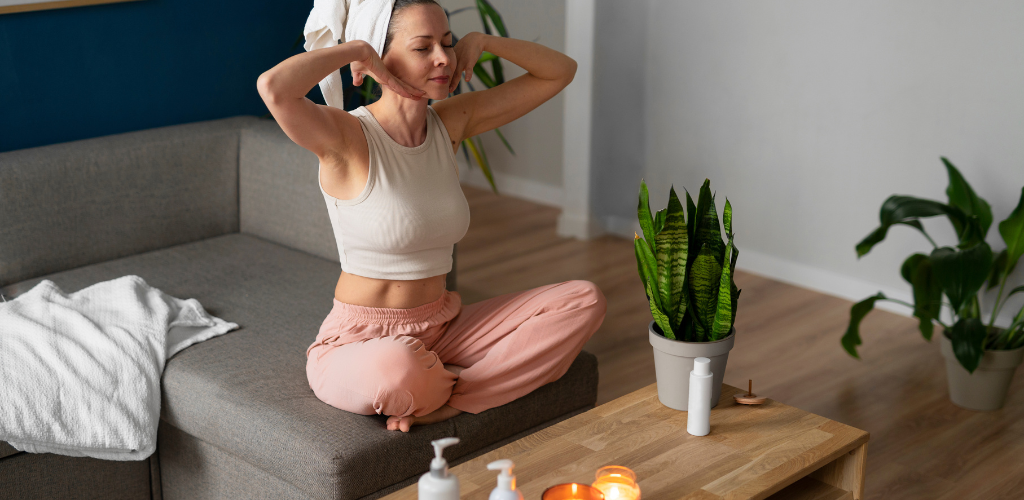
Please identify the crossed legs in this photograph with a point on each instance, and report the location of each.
(508, 345)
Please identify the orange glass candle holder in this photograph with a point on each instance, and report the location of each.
(572, 491)
(617, 483)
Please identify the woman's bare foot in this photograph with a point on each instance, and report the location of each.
(443, 413)
(404, 423)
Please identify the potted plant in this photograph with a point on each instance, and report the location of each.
(687, 272)
(980, 359)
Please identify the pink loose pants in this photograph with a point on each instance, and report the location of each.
(377, 360)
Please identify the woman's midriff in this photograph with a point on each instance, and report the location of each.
(392, 294)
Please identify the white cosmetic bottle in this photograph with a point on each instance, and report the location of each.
(698, 408)
(439, 484)
(506, 489)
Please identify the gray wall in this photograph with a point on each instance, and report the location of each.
(535, 171)
(807, 116)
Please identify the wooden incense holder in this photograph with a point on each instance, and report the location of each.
(749, 398)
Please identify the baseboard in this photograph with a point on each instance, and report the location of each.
(511, 185)
(794, 273)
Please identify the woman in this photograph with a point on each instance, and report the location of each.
(397, 342)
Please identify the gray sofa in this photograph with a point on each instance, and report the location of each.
(227, 212)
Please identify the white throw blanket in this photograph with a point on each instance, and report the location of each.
(80, 373)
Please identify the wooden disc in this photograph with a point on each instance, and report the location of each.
(753, 399)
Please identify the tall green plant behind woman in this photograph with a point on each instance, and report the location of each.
(686, 268)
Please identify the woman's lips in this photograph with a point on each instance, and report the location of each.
(440, 79)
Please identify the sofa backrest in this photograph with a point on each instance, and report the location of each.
(73, 204)
(279, 193)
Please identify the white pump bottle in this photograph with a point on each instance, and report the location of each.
(698, 408)
(506, 489)
(439, 484)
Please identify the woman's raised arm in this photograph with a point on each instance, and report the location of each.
(548, 72)
(316, 127)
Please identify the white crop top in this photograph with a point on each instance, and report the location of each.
(411, 212)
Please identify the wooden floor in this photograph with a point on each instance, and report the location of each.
(787, 341)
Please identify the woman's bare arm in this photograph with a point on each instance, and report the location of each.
(548, 72)
(284, 88)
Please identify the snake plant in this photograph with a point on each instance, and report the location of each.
(957, 272)
(686, 268)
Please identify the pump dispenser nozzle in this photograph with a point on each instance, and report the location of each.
(506, 489)
(439, 466)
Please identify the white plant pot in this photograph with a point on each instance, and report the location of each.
(673, 362)
(985, 389)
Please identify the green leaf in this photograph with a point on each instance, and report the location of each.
(659, 220)
(927, 296)
(722, 322)
(968, 337)
(961, 272)
(1014, 292)
(481, 73)
(691, 218)
(998, 270)
(851, 339)
(962, 196)
(481, 160)
(735, 303)
(911, 263)
(710, 232)
(1012, 231)
(660, 318)
(504, 141)
(488, 11)
(704, 276)
(643, 212)
(648, 269)
(671, 245)
(670, 250)
(898, 209)
(727, 218)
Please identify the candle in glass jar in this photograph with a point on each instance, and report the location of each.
(617, 483)
(572, 491)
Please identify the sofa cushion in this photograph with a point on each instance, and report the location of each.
(279, 193)
(77, 203)
(246, 392)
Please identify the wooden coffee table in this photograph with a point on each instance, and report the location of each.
(753, 452)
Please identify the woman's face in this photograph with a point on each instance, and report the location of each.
(422, 50)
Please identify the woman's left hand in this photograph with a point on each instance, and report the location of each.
(467, 53)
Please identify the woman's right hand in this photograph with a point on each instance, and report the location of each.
(374, 66)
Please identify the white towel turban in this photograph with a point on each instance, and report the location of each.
(336, 21)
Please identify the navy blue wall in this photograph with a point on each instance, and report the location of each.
(83, 72)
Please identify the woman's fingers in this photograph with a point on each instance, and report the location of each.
(455, 78)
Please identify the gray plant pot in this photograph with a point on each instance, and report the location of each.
(673, 362)
(985, 389)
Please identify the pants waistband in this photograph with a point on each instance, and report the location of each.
(389, 315)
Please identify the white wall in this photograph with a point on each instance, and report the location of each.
(807, 115)
(535, 171)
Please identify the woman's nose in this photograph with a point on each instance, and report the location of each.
(442, 57)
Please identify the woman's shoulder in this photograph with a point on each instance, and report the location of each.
(454, 121)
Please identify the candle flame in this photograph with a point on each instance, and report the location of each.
(613, 494)
(574, 489)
